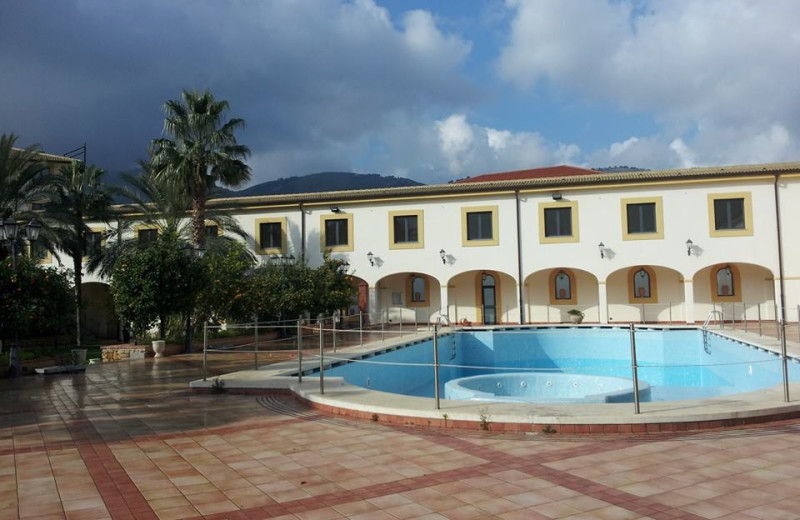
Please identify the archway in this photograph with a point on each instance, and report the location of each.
(646, 294)
(740, 291)
(483, 296)
(409, 297)
(551, 293)
(98, 318)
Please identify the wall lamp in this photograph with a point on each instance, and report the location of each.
(336, 209)
(689, 245)
(556, 196)
(443, 256)
(602, 247)
(371, 258)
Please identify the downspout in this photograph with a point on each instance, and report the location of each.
(519, 262)
(782, 329)
(302, 234)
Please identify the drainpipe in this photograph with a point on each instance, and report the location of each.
(782, 290)
(519, 263)
(302, 234)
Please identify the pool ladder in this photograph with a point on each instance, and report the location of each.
(705, 328)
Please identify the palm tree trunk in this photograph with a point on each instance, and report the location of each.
(199, 209)
(77, 263)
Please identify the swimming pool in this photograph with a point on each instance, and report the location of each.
(675, 363)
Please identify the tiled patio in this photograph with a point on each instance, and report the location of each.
(129, 440)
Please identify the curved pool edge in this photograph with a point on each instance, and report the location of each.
(354, 402)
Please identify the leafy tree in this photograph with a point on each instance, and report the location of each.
(201, 151)
(34, 301)
(151, 283)
(23, 181)
(225, 296)
(77, 193)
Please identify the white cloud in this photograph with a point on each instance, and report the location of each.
(699, 67)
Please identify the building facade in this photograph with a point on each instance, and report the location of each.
(667, 246)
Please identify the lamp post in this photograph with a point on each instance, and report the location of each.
(8, 233)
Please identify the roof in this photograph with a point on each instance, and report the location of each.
(535, 173)
(588, 179)
(49, 156)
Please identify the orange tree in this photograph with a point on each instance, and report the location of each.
(34, 301)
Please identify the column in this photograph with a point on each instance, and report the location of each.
(688, 301)
(444, 305)
(602, 300)
(373, 305)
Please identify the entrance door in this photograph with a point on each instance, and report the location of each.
(489, 299)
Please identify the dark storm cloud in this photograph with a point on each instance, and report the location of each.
(307, 76)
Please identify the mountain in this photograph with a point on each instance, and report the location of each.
(620, 169)
(323, 181)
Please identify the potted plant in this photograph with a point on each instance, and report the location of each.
(575, 315)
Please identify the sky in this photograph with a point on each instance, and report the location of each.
(430, 90)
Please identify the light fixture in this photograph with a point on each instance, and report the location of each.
(443, 256)
(689, 245)
(11, 228)
(556, 196)
(336, 209)
(34, 226)
(371, 258)
(602, 247)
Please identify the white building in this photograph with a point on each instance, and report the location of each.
(528, 246)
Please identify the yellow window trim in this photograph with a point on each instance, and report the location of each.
(748, 215)
(270, 250)
(574, 237)
(495, 240)
(209, 223)
(101, 230)
(659, 234)
(737, 285)
(653, 285)
(349, 247)
(142, 227)
(409, 291)
(573, 286)
(420, 243)
(47, 259)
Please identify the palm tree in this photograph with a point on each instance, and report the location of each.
(77, 194)
(201, 152)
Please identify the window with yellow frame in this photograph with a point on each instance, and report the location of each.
(418, 291)
(336, 232)
(563, 287)
(558, 222)
(726, 284)
(642, 285)
(406, 229)
(479, 226)
(642, 218)
(730, 214)
(270, 236)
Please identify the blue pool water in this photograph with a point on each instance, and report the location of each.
(675, 363)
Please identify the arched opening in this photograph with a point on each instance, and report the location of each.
(407, 298)
(98, 318)
(551, 293)
(646, 294)
(740, 291)
(484, 296)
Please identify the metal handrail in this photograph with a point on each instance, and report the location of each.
(705, 328)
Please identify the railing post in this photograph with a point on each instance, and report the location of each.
(383, 324)
(643, 316)
(798, 323)
(635, 369)
(255, 351)
(300, 349)
(321, 357)
(361, 328)
(401, 322)
(744, 315)
(333, 328)
(759, 319)
(670, 313)
(205, 351)
(436, 364)
(782, 334)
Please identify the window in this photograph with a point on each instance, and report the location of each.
(642, 218)
(642, 285)
(270, 236)
(336, 232)
(146, 236)
(730, 214)
(562, 287)
(406, 230)
(558, 222)
(39, 253)
(726, 284)
(212, 230)
(479, 226)
(418, 289)
(93, 243)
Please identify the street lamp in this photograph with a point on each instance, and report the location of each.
(8, 233)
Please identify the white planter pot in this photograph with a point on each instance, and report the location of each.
(159, 346)
(79, 356)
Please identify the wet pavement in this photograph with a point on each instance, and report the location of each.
(129, 440)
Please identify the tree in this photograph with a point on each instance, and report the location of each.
(152, 283)
(76, 194)
(33, 301)
(23, 181)
(224, 297)
(201, 151)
